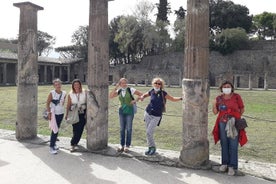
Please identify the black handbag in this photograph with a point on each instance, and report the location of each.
(240, 124)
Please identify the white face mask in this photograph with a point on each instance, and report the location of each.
(156, 89)
(227, 91)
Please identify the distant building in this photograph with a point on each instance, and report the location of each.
(48, 69)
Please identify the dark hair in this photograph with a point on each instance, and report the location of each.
(73, 82)
(226, 82)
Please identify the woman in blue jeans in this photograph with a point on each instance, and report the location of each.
(126, 111)
(55, 110)
(227, 105)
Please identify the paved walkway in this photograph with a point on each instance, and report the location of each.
(31, 163)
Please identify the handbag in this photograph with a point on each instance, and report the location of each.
(240, 124)
(45, 114)
(73, 116)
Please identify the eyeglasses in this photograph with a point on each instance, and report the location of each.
(158, 83)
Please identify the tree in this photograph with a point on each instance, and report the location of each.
(265, 25)
(45, 43)
(79, 48)
(143, 9)
(8, 45)
(226, 14)
(114, 52)
(179, 29)
(163, 10)
(80, 41)
(230, 40)
(129, 39)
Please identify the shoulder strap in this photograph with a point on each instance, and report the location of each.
(119, 92)
(60, 96)
(128, 89)
(164, 99)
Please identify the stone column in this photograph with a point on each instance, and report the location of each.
(265, 81)
(53, 72)
(68, 74)
(27, 79)
(45, 74)
(5, 73)
(60, 73)
(250, 82)
(235, 82)
(97, 81)
(195, 148)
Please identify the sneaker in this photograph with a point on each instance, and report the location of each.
(126, 150)
(223, 168)
(73, 148)
(152, 151)
(56, 147)
(147, 152)
(120, 149)
(53, 151)
(231, 171)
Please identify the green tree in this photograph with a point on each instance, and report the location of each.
(230, 40)
(45, 43)
(129, 39)
(265, 25)
(226, 14)
(79, 49)
(163, 10)
(179, 30)
(114, 52)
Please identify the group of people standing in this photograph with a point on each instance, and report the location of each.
(55, 109)
(227, 105)
(153, 112)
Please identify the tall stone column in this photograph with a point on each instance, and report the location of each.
(98, 65)
(27, 79)
(195, 148)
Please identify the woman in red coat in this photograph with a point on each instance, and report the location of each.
(227, 105)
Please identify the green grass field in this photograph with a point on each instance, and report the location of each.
(260, 106)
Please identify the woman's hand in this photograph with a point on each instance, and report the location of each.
(49, 116)
(133, 102)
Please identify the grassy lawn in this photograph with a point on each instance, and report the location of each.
(260, 106)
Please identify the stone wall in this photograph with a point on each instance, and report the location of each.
(259, 61)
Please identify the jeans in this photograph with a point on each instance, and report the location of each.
(54, 136)
(78, 129)
(229, 148)
(151, 123)
(125, 128)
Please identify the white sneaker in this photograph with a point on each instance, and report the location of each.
(56, 147)
(231, 171)
(53, 151)
(223, 168)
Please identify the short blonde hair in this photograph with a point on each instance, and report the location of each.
(57, 80)
(123, 79)
(158, 79)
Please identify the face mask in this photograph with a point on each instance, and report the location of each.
(156, 89)
(226, 91)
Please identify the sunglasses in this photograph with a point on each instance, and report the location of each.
(158, 83)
